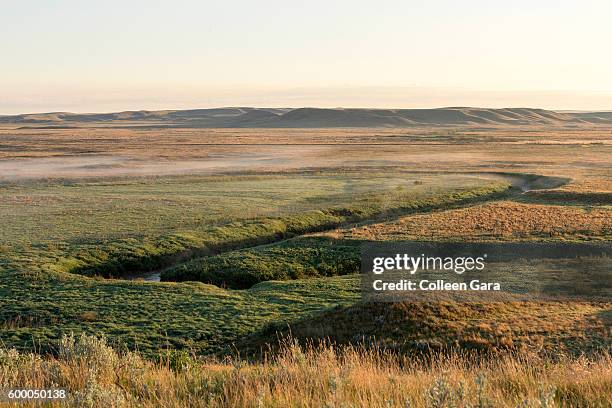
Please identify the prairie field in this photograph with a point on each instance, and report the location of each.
(316, 374)
(148, 266)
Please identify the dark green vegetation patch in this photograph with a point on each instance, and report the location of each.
(295, 259)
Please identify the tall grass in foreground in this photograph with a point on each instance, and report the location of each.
(95, 375)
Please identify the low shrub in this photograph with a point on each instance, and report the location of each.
(294, 259)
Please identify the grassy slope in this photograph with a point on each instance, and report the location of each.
(573, 328)
(152, 316)
(582, 327)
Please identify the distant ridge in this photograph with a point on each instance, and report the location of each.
(244, 117)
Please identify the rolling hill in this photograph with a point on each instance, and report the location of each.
(243, 117)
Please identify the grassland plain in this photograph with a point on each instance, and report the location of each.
(108, 228)
(92, 212)
(102, 228)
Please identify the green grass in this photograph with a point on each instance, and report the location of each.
(294, 259)
(245, 268)
(153, 316)
(577, 270)
(40, 300)
(82, 211)
(109, 227)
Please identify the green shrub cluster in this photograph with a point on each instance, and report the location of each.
(294, 259)
(115, 259)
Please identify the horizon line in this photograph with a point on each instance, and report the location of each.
(301, 107)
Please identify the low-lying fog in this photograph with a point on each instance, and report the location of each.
(110, 166)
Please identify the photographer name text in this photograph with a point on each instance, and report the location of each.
(413, 264)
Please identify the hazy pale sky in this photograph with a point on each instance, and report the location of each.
(80, 56)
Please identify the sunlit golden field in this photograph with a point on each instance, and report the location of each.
(313, 375)
(501, 220)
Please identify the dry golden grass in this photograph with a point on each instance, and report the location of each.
(580, 153)
(590, 185)
(313, 376)
(553, 327)
(504, 220)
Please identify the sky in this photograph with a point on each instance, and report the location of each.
(61, 55)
